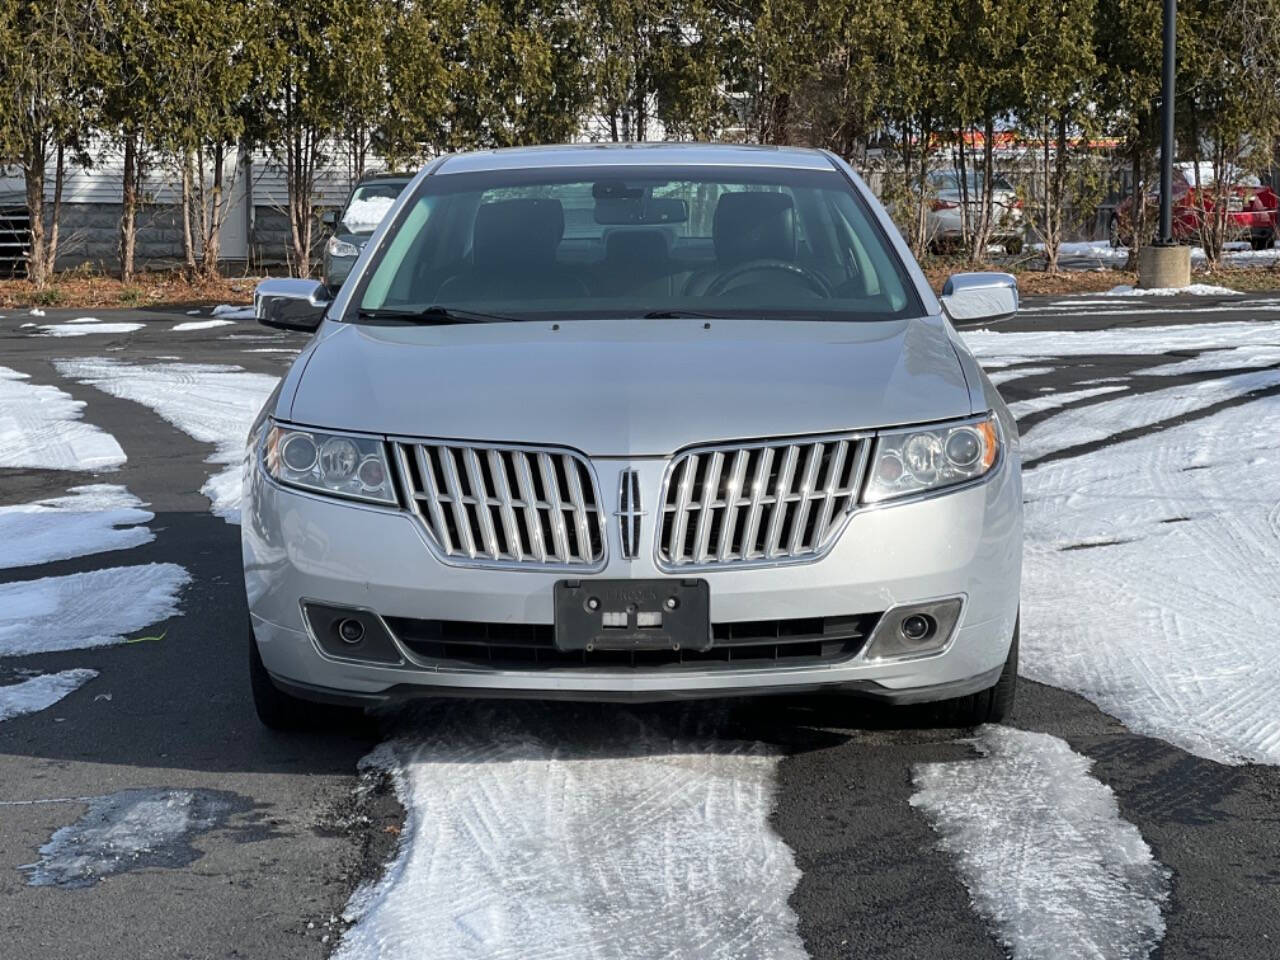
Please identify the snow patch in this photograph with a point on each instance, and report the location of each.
(230, 312)
(40, 429)
(1195, 290)
(213, 403)
(38, 693)
(37, 312)
(85, 320)
(1052, 401)
(202, 324)
(84, 329)
(998, 376)
(1043, 849)
(92, 519)
(1004, 349)
(129, 830)
(522, 841)
(365, 213)
(91, 609)
(1168, 621)
(1096, 422)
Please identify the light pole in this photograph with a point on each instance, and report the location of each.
(1166, 121)
(1166, 264)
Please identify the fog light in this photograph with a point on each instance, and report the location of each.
(915, 630)
(918, 627)
(351, 631)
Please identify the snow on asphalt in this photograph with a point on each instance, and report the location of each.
(1003, 349)
(1149, 583)
(521, 841)
(91, 609)
(211, 402)
(91, 519)
(40, 428)
(1190, 290)
(1098, 421)
(230, 312)
(129, 830)
(202, 325)
(1052, 401)
(40, 692)
(80, 328)
(1043, 849)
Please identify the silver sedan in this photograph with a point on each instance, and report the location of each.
(635, 422)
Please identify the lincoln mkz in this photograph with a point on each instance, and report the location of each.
(634, 422)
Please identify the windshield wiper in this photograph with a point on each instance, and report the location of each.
(681, 315)
(435, 314)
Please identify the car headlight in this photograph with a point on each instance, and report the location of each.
(341, 248)
(908, 462)
(337, 464)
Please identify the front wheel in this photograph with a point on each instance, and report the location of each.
(276, 709)
(1013, 246)
(991, 705)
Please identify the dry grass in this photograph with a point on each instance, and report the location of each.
(77, 289)
(1032, 282)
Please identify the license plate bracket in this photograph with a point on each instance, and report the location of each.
(633, 615)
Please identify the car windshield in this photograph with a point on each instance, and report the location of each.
(580, 243)
(369, 203)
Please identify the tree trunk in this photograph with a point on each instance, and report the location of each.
(982, 228)
(129, 209)
(213, 231)
(1139, 207)
(33, 161)
(1056, 190)
(188, 201)
(779, 122)
(59, 177)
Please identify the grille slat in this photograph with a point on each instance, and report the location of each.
(498, 505)
(759, 503)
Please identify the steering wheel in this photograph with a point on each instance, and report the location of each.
(812, 280)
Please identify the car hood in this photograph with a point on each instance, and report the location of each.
(629, 387)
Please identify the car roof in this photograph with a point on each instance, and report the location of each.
(385, 175)
(636, 154)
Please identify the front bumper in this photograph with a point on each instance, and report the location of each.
(964, 544)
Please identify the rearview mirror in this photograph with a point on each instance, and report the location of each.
(290, 304)
(330, 219)
(980, 296)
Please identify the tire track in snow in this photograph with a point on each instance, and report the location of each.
(40, 428)
(539, 832)
(1172, 630)
(1043, 849)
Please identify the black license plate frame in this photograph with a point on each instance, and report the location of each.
(683, 606)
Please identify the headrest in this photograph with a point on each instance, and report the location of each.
(754, 226)
(519, 232)
(636, 246)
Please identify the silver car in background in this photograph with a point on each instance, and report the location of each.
(634, 422)
(948, 217)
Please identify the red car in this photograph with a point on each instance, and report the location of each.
(1251, 211)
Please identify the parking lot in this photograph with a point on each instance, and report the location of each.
(1129, 806)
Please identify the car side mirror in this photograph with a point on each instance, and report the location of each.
(330, 219)
(980, 296)
(290, 304)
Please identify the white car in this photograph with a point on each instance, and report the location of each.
(634, 422)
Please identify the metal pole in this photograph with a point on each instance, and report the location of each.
(1166, 121)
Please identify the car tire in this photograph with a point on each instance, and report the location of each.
(1013, 246)
(276, 709)
(1261, 241)
(991, 705)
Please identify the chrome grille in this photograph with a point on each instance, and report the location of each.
(759, 503)
(496, 505)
